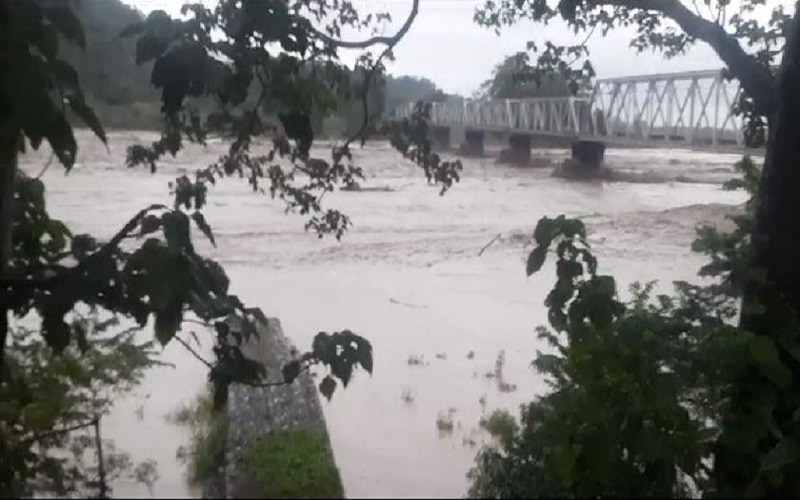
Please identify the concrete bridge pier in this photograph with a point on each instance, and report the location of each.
(588, 155)
(473, 143)
(518, 151)
(439, 137)
(457, 135)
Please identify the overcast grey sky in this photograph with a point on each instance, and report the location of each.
(446, 46)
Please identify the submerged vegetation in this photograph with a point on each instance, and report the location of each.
(204, 455)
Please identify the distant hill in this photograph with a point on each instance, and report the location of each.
(121, 93)
(119, 90)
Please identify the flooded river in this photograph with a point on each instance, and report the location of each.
(409, 277)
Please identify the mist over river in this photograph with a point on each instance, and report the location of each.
(409, 277)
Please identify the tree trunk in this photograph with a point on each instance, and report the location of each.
(8, 171)
(776, 247)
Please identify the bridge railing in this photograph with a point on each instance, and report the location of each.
(558, 116)
(694, 108)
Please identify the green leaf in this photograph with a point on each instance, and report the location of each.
(327, 386)
(766, 355)
(148, 48)
(78, 106)
(170, 279)
(536, 259)
(64, 73)
(177, 231)
(149, 224)
(548, 363)
(320, 347)
(167, 324)
(200, 220)
(58, 133)
(783, 454)
(544, 232)
(364, 353)
(82, 245)
(48, 44)
(67, 23)
(342, 369)
(290, 371)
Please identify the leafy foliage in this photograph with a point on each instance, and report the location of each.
(50, 402)
(271, 47)
(666, 367)
(149, 271)
(37, 85)
(660, 366)
(410, 137)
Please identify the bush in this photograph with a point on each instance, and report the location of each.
(501, 425)
(206, 451)
(639, 388)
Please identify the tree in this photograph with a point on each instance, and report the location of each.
(402, 90)
(52, 406)
(515, 78)
(149, 269)
(762, 401)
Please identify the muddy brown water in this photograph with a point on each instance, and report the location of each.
(408, 277)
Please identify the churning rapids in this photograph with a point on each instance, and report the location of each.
(409, 278)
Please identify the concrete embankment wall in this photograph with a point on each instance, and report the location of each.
(254, 413)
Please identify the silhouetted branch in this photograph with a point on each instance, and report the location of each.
(20, 282)
(376, 40)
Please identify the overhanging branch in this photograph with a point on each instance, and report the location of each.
(389, 41)
(756, 80)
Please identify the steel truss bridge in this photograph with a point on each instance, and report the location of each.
(687, 109)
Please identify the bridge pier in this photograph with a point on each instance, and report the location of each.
(473, 143)
(518, 151)
(588, 155)
(439, 137)
(457, 135)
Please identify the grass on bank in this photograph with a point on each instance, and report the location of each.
(294, 463)
(287, 464)
(205, 453)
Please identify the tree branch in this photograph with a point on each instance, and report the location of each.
(58, 432)
(756, 80)
(193, 352)
(376, 40)
(17, 282)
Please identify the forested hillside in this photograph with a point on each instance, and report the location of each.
(121, 93)
(119, 90)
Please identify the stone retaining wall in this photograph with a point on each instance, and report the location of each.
(256, 411)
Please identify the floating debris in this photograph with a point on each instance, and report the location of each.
(416, 360)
